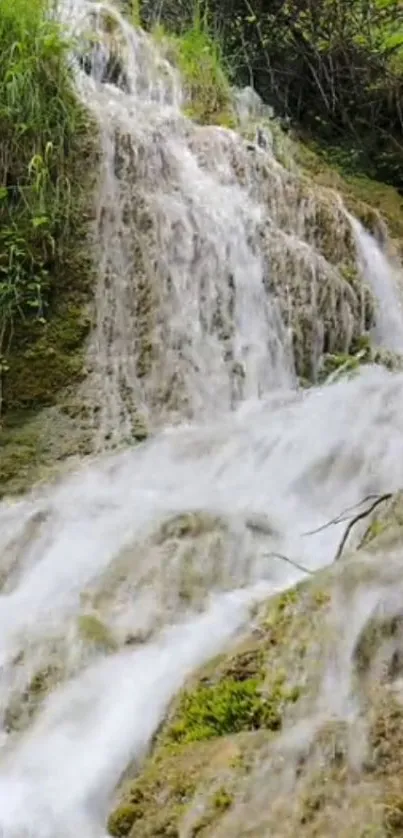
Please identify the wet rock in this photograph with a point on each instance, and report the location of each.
(333, 764)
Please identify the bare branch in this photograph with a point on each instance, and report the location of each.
(292, 562)
(342, 516)
(357, 518)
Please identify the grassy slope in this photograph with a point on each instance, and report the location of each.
(200, 61)
(47, 170)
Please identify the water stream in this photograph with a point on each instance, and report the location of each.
(119, 580)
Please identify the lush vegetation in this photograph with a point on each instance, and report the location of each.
(334, 69)
(202, 65)
(45, 147)
(229, 707)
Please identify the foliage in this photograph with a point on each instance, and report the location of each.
(229, 706)
(335, 69)
(122, 819)
(200, 60)
(44, 131)
(336, 366)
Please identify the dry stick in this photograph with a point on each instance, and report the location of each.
(342, 516)
(359, 518)
(289, 561)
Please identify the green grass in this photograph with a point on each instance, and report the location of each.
(44, 148)
(230, 706)
(200, 61)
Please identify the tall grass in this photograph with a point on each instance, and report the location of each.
(200, 60)
(41, 124)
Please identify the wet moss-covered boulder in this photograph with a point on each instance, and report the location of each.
(298, 729)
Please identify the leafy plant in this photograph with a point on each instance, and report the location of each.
(44, 131)
(200, 60)
(332, 68)
(39, 117)
(230, 706)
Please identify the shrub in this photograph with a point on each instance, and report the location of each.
(44, 139)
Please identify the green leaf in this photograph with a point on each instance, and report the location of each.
(40, 221)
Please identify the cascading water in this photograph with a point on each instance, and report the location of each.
(383, 277)
(118, 581)
(210, 252)
(184, 324)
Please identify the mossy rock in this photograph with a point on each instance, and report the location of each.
(22, 707)
(94, 632)
(46, 361)
(156, 803)
(371, 201)
(228, 707)
(215, 747)
(218, 724)
(36, 446)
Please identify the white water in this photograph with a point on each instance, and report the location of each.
(170, 543)
(386, 283)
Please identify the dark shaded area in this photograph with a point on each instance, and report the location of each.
(105, 67)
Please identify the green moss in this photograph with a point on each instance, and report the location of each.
(41, 681)
(369, 200)
(123, 818)
(220, 802)
(336, 365)
(280, 614)
(23, 707)
(321, 598)
(215, 729)
(154, 803)
(227, 707)
(239, 698)
(46, 360)
(222, 799)
(34, 446)
(18, 456)
(375, 529)
(341, 364)
(93, 630)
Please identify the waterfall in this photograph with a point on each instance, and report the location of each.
(221, 273)
(117, 581)
(385, 279)
(184, 325)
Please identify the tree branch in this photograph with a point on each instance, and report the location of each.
(292, 562)
(342, 516)
(357, 518)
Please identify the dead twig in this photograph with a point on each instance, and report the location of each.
(360, 517)
(295, 564)
(342, 516)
